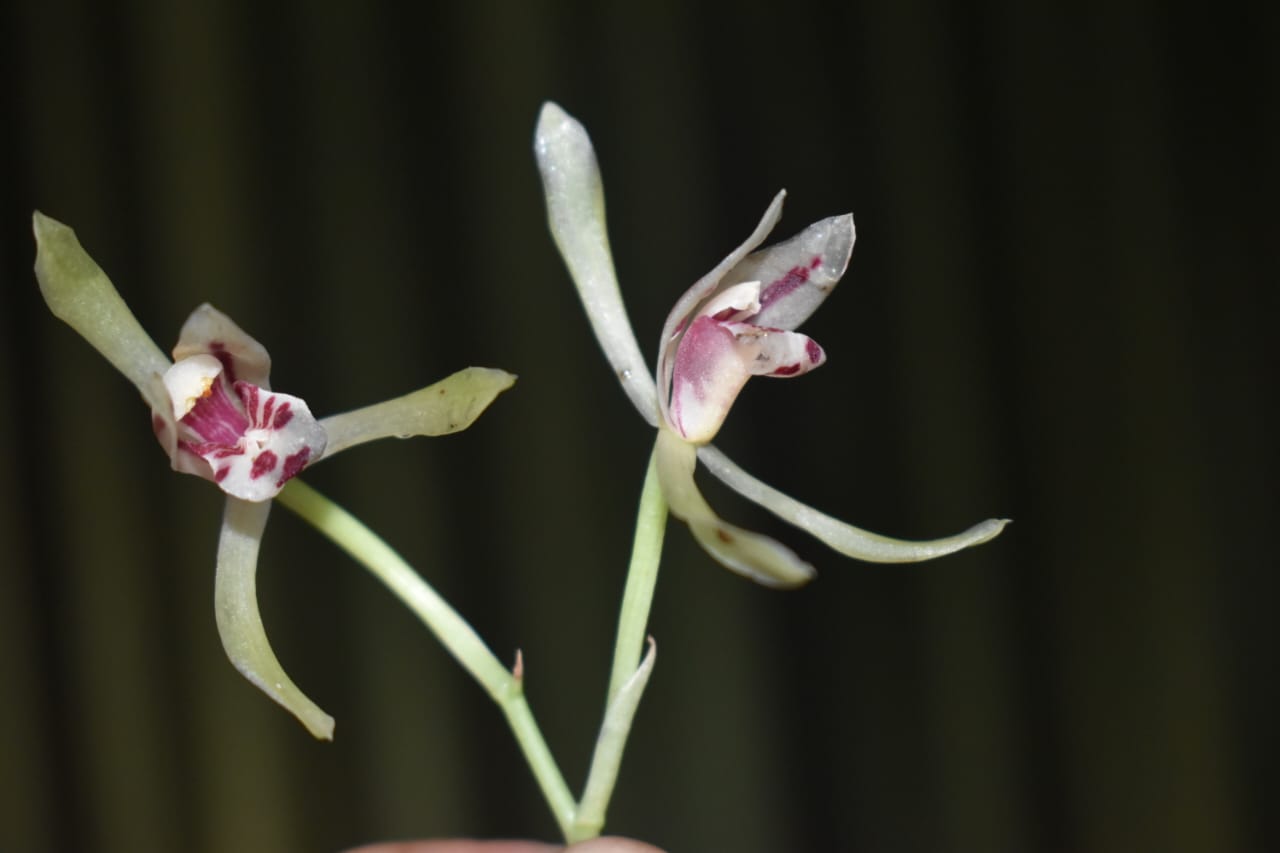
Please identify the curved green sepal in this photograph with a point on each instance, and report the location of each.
(839, 535)
(235, 600)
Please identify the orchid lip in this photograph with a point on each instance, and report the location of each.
(251, 441)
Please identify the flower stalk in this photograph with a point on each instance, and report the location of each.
(454, 633)
(630, 673)
(642, 577)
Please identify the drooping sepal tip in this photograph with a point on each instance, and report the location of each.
(752, 555)
(840, 535)
(240, 624)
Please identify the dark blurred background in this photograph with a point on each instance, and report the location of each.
(1060, 309)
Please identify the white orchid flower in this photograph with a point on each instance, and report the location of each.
(737, 321)
(216, 417)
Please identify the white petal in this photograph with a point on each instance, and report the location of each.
(845, 538)
(796, 275)
(575, 208)
(235, 600)
(209, 331)
(450, 405)
(687, 304)
(749, 554)
(79, 293)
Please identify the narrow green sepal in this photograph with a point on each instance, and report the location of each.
(79, 293)
(235, 600)
(450, 405)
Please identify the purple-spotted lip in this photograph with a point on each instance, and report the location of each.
(248, 440)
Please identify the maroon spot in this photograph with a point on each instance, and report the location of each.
(816, 262)
(282, 417)
(812, 350)
(787, 370)
(221, 474)
(264, 464)
(723, 536)
(227, 452)
(293, 464)
(157, 425)
(267, 408)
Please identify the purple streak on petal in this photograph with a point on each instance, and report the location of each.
(799, 272)
(795, 278)
(215, 417)
(249, 396)
(815, 353)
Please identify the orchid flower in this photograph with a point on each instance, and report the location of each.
(737, 321)
(216, 417)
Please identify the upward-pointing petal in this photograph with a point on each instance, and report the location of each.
(798, 274)
(845, 538)
(79, 293)
(209, 331)
(575, 208)
(235, 600)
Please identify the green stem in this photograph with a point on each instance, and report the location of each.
(642, 576)
(629, 674)
(458, 637)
